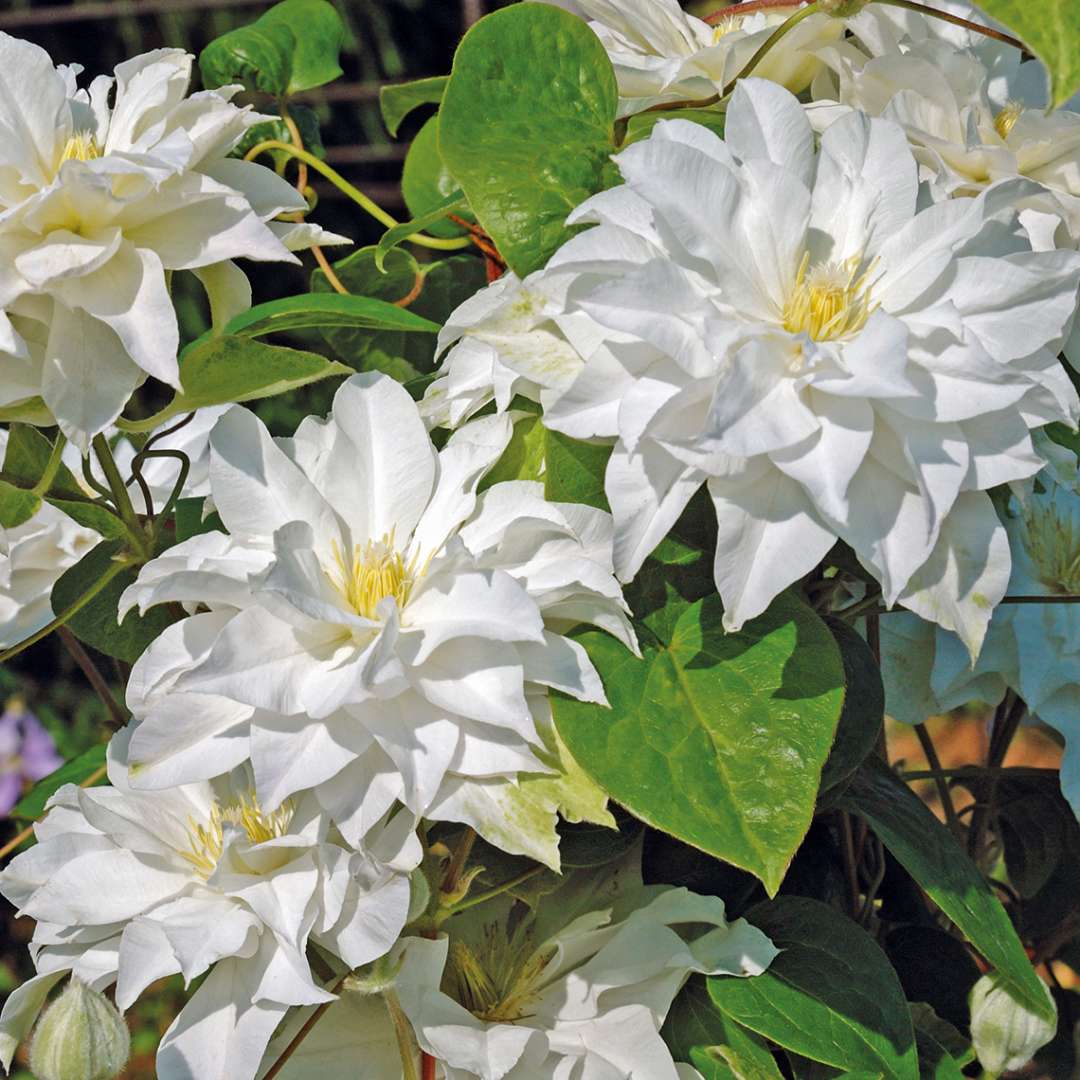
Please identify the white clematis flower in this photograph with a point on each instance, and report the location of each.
(584, 994)
(129, 887)
(833, 362)
(99, 202)
(1033, 649)
(33, 556)
(661, 53)
(377, 631)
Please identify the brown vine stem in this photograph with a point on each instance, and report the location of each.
(1007, 719)
(117, 716)
(458, 861)
(938, 774)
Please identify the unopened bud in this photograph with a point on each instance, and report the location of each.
(842, 9)
(1005, 1033)
(81, 1036)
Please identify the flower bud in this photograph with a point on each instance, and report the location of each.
(1004, 1033)
(842, 9)
(81, 1036)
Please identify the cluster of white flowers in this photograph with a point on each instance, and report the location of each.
(843, 319)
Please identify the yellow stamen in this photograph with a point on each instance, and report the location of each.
(1005, 120)
(372, 573)
(828, 300)
(208, 841)
(80, 147)
(726, 26)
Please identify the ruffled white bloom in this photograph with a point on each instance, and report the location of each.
(33, 556)
(99, 201)
(513, 337)
(584, 997)
(661, 53)
(376, 630)
(972, 117)
(129, 887)
(1033, 649)
(833, 362)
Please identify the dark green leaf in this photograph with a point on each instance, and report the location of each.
(91, 515)
(942, 1049)
(933, 857)
(399, 99)
(320, 311)
(16, 505)
(920, 956)
(864, 707)
(717, 738)
(575, 470)
(26, 458)
(405, 356)
(426, 183)
(293, 46)
(32, 805)
(453, 204)
(276, 129)
(830, 995)
(96, 623)
(527, 126)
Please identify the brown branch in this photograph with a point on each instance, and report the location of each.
(117, 716)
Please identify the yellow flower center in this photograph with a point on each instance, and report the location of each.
(1005, 120)
(80, 147)
(373, 572)
(1053, 543)
(497, 981)
(829, 301)
(725, 26)
(207, 841)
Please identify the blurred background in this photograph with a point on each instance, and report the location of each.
(389, 41)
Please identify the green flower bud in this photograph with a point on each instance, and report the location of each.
(81, 1036)
(1004, 1033)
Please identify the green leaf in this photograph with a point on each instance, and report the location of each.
(27, 456)
(830, 995)
(716, 738)
(523, 458)
(91, 515)
(453, 204)
(426, 183)
(696, 1031)
(405, 356)
(16, 505)
(32, 805)
(641, 126)
(933, 857)
(1051, 30)
(575, 470)
(28, 411)
(96, 623)
(942, 1049)
(293, 46)
(399, 99)
(527, 126)
(190, 521)
(306, 120)
(319, 311)
(864, 707)
(217, 370)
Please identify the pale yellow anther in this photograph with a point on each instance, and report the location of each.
(207, 840)
(373, 572)
(828, 301)
(1053, 544)
(498, 981)
(80, 147)
(725, 26)
(1005, 120)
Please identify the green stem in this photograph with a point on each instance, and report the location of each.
(484, 897)
(52, 467)
(120, 497)
(956, 20)
(65, 616)
(357, 196)
(403, 1033)
(788, 24)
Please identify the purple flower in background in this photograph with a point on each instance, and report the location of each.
(27, 752)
